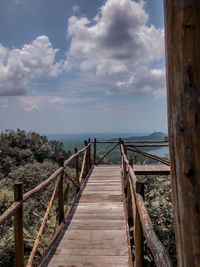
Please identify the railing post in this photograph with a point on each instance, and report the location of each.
(87, 159)
(130, 207)
(95, 147)
(123, 162)
(60, 192)
(89, 153)
(77, 167)
(138, 233)
(18, 227)
(120, 142)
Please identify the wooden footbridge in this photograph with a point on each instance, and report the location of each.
(95, 230)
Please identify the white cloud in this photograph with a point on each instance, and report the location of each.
(118, 47)
(117, 44)
(76, 9)
(18, 67)
(54, 100)
(31, 103)
(142, 81)
(32, 108)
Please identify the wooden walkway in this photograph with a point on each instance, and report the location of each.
(96, 233)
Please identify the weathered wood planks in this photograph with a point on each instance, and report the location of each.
(96, 231)
(151, 169)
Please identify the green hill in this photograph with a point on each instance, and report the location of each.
(153, 136)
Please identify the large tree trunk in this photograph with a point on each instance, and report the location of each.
(182, 23)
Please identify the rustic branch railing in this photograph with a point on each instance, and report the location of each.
(132, 146)
(141, 219)
(16, 209)
(148, 155)
(108, 152)
(44, 221)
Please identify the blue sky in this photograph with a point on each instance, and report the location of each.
(82, 66)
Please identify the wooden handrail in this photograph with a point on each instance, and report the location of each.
(148, 155)
(160, 254)
(82, 167)
(18, 226)
(70, 159)
(16, 208)
(131, 142)
(44, 221)
(147, 145)
(17, 204)
(110, 150)
(73, 181)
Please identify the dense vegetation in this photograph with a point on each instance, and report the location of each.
(30, 158)
(159, 204)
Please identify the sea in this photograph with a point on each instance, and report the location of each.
(70, 141)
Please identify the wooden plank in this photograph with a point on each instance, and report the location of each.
(103, 187)
(103, 193)
(104, 178)
(100, 235)
(95, 232)
(100, 198)
(94, 261)
(98, 207)
(102, 215)
(88, 264)
(148, 169)
(94, 245)
(100, 212)
(104, 182)
(92, 252)
(89, 224)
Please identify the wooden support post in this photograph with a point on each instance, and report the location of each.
(60, 192)
(129, 199)
(95, 147)
(120, 142)
(87, 158)
(138, 233)
(182, 24)
(89, 149)
(77, 167)
(18, 227)
(124, 166)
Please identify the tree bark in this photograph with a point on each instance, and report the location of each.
(182, 23)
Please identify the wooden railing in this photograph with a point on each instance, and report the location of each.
(141, 219)
(135, 200)
(16, 209)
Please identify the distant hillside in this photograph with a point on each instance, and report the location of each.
(153, 136)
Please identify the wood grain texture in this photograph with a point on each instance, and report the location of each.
(150, 169)
(96, 231)
(182, 23)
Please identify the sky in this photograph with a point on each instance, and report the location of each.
(82, 66)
